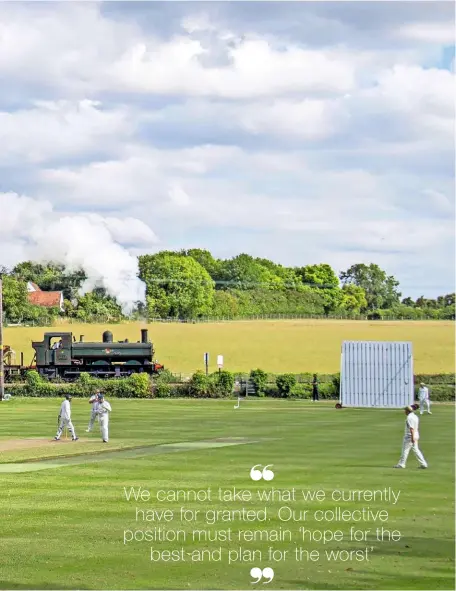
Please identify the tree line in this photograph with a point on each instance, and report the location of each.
(190, 284)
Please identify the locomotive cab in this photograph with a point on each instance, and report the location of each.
(48, 354)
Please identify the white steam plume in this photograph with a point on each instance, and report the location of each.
(31, 230)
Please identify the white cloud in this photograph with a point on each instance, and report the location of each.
(257, 70)
(293, 136)
(58, 129)
(439, 32)
(429, 91)
(76, 48)
(310, 119)
(178, 195)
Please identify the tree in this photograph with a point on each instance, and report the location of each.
(287, 274)
(353, 298)
(206, 260)
(381, 289)
(15, 303)
(321, 275)
(323, 278)
(176, 285)
(449, 300)
(225, 303)
(96, 304)
(244, 272)
(408, 302)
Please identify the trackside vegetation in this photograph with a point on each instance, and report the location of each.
(192, 284)
(220, 384)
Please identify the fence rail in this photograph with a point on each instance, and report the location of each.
(209, 319)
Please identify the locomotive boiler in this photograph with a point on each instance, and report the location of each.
(59, 355)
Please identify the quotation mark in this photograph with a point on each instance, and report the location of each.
(264, 474)
(258, 574)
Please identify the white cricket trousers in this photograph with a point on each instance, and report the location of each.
(65, 423)
(104, 426)
(406, 447)
(93, 416)
(422, 403)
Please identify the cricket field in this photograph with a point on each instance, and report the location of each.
(169, 502)
(277, 346)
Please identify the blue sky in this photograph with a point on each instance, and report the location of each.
(300, 132)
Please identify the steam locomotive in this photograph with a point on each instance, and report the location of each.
(59, 355)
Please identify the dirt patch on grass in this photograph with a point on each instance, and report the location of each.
(15, 444)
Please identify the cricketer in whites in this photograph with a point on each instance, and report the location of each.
(103, 410)
(423, 395)
(411, 437)
(93, 414)
(64, 419)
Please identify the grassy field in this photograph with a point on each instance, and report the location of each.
(276, 346)
(63, 520)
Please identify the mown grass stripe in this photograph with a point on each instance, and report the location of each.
(36, 465)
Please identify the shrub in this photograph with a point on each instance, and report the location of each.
(285, 383)
(140, 385)
(300, 390)
(200, 385)
(163, 390)
(223, 382)
(86, 385)
(165, 377)
(36, 386)
(259, 378)
(328, 392)
(270, 391)
(336, 384)
(430, 379)
(218, 384)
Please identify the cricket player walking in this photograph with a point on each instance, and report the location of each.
(64, 419)
(411, 437)
(103, 410)
(423, 395)
(93, 414)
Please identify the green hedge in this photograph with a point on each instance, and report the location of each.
(432, 378)
(216, 385)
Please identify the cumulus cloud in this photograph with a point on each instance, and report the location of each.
(440, 32)
(50, 130)
(316, 133)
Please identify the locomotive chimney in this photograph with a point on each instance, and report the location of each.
(81, 338)
(107, 336)
(144, 337)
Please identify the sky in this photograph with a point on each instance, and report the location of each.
(300, 132)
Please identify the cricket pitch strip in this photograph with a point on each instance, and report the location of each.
(94, 457)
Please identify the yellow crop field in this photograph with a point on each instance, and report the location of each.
(275, 346)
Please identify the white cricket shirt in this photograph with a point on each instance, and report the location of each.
(104, 407)
(412, 422)
(65, 410)
(423, 393)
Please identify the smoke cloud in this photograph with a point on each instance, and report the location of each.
(31, 230)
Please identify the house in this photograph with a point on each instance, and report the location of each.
(48, 299)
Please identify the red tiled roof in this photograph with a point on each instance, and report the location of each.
(49, 299)
(35, 286)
